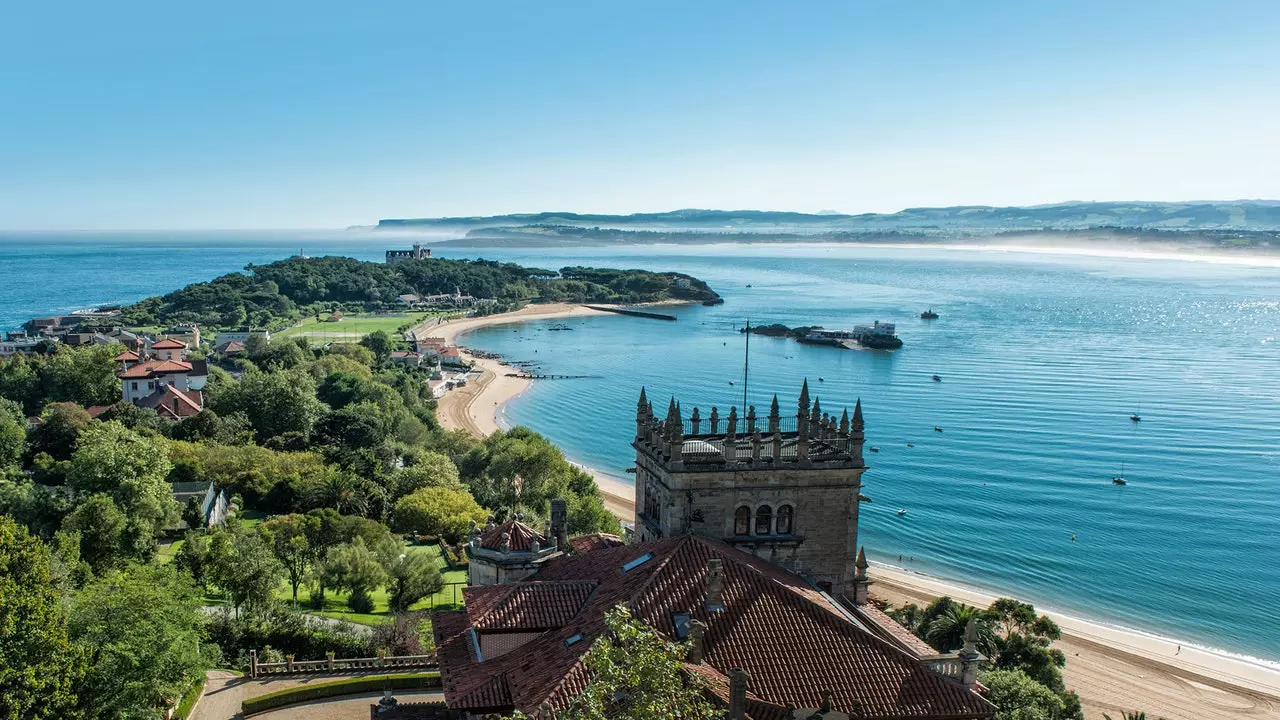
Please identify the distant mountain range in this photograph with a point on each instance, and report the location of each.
(965, 219)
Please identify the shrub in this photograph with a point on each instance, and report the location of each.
(189, 700)
(353, 686)
(289, 633)
(360, 601)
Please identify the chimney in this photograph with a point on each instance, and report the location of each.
(969, 656)
(560, 524)
(714, 582)
(697, 647)
(738, 694)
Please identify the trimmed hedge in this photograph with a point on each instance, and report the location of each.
(352, 686)
(189, 700)
(455, 559)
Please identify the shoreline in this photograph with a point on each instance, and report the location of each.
(1112, 668)
(476, 408)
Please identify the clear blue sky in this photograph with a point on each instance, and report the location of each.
(168, 114)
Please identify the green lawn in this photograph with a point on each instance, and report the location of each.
(355, 326)
(335, 604)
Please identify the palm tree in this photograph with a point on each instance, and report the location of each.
(946, 631)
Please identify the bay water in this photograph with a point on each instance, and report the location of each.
(1042, 359)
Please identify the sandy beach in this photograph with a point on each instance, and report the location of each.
(1115, 670)
(475, 408)
(1111, 669)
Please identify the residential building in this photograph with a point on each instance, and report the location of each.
(407, 358)
(241, 335)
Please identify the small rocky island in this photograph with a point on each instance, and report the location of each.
(877, 336)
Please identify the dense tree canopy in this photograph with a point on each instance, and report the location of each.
(39, 667)
(142, 630)
(439, 511)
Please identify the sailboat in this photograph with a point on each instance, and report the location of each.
(1136, 417)
(1119, 479)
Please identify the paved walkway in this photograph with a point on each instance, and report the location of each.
(224, 692)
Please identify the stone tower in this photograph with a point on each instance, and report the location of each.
(784, 488)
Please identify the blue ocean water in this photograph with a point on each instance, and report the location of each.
(1042, 357)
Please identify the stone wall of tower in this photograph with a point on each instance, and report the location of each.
(823, 542)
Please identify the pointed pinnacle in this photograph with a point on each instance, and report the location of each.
(857, 412)
(862, 559)
(644, 399)
(817, 409)
(804, 395)
(773, 407)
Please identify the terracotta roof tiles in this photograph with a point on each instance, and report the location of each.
(792, 640)
(522, 536)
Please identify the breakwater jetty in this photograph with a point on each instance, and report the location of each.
(634, 313)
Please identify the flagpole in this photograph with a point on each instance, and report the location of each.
(746, 362)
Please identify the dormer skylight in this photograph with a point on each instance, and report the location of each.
(637, 562)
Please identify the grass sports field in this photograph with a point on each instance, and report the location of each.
(355, 326)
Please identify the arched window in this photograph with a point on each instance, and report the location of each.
(742, 521)
(764, 520)
(782, 526)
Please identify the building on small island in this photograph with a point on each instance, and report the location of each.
(417, 253)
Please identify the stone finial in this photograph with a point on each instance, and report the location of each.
(816, 412)
(755, 447)
(828, 703)
(715, 421)
(506, 542)
(732, 428)
(844, 421)
(802, 407)
(857, 415)
(751, 418)
(695, 420)
(774, 417)
(861, 583)
(534, 546)
(642, 406)
(697, 646)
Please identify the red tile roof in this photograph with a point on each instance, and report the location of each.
(522, 536)
(889, 629)
(525, 606)
(128, 356)
(593, 541)
(163, 402)
(168, 344)
(792, 640)
(153, 368)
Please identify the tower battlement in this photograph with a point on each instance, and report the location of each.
(810, 438)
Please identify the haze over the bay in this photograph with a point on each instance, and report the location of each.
(328, 115)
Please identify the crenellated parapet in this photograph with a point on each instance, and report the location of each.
(811, 438)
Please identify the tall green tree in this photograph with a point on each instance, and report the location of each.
(59, 431)
(946, 631)
(13, 432)
(276, 403)
(40, 669)
(354, 568)
(289, 537)
(100, 525)
(378, 342)
(243, 565)
(1018, 697)
(636, 675)
(132, 469)
(141, 629)
(438, 511)
(411, 576)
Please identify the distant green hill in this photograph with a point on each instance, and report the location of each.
(975, 219)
